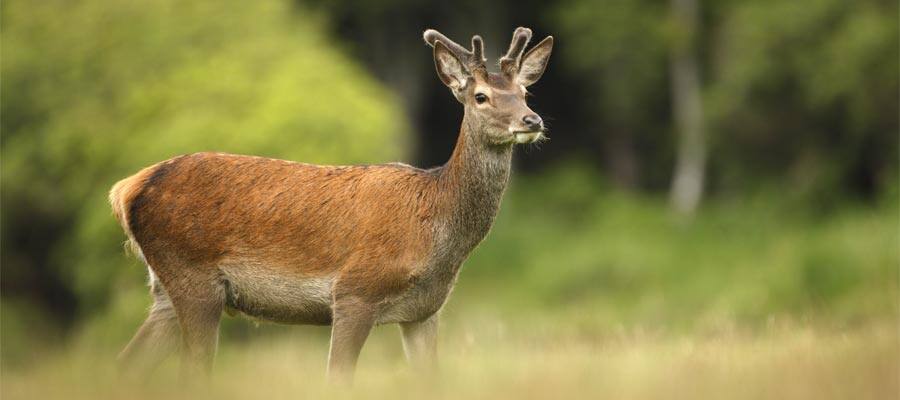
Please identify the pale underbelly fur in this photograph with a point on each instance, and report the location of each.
(262, 294)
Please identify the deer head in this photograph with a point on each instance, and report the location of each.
(495, 103)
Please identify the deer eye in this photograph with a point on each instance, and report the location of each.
(480, 98)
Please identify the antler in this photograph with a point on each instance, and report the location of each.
(509, 64)
(473, 59)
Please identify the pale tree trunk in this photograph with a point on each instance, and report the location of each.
(689, 175)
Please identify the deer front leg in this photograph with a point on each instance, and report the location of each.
(420, 342)
(352, 321)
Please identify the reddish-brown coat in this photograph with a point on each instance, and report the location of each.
(365, 225)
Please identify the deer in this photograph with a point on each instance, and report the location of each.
(347, 246)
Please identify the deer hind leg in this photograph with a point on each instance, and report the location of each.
(198, 297)
(158, 336)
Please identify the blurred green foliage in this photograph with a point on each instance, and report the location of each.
(803, 93)
(94, 91)
(567, 247)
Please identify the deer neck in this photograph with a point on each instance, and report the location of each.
(473, 182)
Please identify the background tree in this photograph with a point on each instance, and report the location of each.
(690, 164)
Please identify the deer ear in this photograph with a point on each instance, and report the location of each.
(449, 68)
(535, 62)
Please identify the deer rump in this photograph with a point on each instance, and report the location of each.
(285, 237)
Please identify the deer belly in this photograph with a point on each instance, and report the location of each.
(261, 294)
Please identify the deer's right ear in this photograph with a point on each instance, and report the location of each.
(449, 68)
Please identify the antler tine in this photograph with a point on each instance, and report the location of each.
(510, 62)
(432, 36)
(478, 51)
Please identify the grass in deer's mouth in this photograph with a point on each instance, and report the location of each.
(528, 137)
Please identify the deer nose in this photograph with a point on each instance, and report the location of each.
(532, 121)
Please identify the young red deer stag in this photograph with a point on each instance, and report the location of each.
(349, 246)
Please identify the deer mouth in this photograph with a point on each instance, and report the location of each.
(525, 137)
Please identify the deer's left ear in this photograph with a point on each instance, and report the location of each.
(535, 62)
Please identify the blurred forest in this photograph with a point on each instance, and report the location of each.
(779, 118)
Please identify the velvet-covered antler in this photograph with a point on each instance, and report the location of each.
(473, 59)
(509, 63)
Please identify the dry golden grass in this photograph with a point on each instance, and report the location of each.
(490, 362)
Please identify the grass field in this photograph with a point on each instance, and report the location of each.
(494, 361)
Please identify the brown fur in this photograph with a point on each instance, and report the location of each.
(305, 219)
(350, 246)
